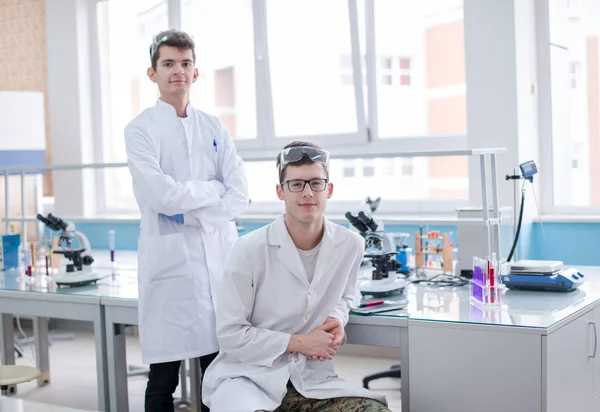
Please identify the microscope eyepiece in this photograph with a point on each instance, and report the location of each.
(358, 224)
(53, 222)
(367, 221)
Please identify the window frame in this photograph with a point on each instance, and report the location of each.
(543, 44)
(364, 143)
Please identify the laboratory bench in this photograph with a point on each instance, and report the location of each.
(535, 353)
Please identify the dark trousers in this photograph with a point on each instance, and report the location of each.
(162, 382)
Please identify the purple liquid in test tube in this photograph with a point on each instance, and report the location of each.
(478, 271)
(478, 292)
(111, 245)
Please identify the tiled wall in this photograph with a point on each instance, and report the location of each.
(23, 58)
(23, 68)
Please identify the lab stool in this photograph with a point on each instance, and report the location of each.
(393, 372)
(14, 374)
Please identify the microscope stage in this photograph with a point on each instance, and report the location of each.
(77, 279)
(382, 288)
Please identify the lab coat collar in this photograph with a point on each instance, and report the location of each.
(170, 110)
(288, 254)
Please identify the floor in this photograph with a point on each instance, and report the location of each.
(73, 374)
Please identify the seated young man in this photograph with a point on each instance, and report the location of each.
(284, 301)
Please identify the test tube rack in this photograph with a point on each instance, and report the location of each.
(486, 287)
(428, 246)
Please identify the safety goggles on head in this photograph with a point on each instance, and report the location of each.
(156, 44)
(296, 153)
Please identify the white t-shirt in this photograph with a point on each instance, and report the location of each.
(309, 261)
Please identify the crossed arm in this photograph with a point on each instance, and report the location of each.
(201, 202)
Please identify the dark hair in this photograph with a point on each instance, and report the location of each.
(173, 38)
(304, 161)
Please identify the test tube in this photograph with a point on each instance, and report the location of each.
(111, 245)
(28, 262)
(477, 275)
(492, 278)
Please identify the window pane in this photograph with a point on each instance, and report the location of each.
(306, 40)
(575, 64)
(425, 41)
(125, 30)
(420, 178)
(386, 62)
(224, 36)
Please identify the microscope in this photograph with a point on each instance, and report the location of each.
(78, 272)
(379, 249)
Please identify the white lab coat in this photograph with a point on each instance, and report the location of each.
(265, 297)
(176, 165)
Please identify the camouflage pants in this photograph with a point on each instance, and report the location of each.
(294, 402)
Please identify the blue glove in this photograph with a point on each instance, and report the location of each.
(175, 218)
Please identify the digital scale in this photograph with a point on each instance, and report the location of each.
(540, 275)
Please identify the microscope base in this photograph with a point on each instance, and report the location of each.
(77, 279)
(382, 288)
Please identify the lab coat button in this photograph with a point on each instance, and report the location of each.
(307, 316)
(311, 291)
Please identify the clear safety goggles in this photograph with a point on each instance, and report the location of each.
(156, 44)
(295, 154)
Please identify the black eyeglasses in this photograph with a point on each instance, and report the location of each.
(298, 185)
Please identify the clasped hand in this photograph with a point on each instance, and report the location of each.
(323, 342)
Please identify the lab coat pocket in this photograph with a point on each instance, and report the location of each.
(207, 166)
(167, 257)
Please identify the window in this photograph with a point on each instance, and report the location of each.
(368, 168)
(270, 79)
(395, 71)
(346, 71)
(421, 68)
(348, 168)
(574, 74)
(223, 31)
(574, 8)
(407, 166)
(387, 167)
(575, 93)
(308, 98)
(421, 179)
(436, 179)
(125, 29)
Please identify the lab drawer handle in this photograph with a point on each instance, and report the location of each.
(595, 338)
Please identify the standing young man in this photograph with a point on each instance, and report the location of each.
(189, 184)
(284, 301)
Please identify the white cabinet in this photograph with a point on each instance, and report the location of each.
(595, 352)
(462, 368)
(532, 370)
(570, 366)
